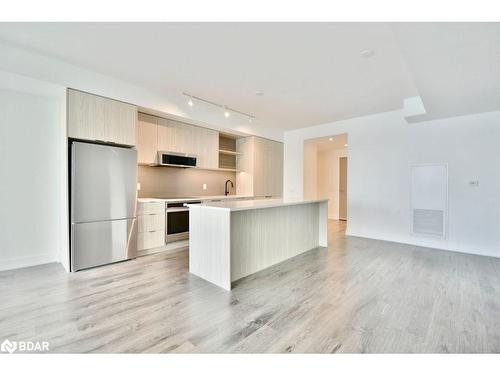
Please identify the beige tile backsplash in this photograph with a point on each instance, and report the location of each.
(165, 182)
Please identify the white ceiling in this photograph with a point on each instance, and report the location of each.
(309, 73)
(455, 66)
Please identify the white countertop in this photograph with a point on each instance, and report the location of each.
(194, 199)
(145, 200)
(240, 205)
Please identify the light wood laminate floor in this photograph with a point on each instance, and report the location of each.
(359, 295)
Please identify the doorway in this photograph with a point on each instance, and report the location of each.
(325, 174)
(343, 188)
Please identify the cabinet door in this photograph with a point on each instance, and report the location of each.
(275, 177)
(166, 133)
(97, 118)
(150, 240)
(261, 167)
(85, 116)
(268, 168)
(186, 138)
(120, 122)
(206, 148)
(245, 165)
(147, 144)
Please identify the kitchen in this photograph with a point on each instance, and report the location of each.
(138, 218)
(135, 176)
(175, 181)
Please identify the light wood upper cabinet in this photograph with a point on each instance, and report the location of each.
(260, 167)
(147, 140)
(96, 118)
(207, 148)
(168, 136)
(189, 139)
(85, 116)
(121, 122)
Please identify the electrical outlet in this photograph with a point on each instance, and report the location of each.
(204, 186)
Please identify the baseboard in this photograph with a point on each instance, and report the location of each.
(415, 242)
(29, 261)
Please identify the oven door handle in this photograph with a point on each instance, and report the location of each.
(177, 209)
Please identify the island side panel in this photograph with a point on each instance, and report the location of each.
(263, 237)
(209, 241)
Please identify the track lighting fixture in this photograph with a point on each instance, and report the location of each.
(226, 110)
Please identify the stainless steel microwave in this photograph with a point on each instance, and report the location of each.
(176, 159)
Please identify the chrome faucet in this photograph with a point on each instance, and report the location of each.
(226, 191)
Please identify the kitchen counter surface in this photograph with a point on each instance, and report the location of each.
(241, 205)
(194, 199)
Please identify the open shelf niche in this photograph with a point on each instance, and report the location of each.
(227, 152)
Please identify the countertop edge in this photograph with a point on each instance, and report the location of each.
(266, 203)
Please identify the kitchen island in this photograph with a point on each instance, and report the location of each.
(232, 239)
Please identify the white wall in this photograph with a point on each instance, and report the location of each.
(33, 215)
(328, 178)
(173, 103)
(310, 171)
(381, 149)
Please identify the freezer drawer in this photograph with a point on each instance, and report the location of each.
(103, 242)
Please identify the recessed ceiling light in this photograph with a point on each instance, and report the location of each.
(367, 53)
(330, 139)
(259, 93)
(345, 145)
(190, 101)
(226, 112)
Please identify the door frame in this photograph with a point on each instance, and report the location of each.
(338, 187)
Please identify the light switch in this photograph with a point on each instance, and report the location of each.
(138, 186)
(204, 186)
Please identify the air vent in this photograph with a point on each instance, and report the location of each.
(429, 199)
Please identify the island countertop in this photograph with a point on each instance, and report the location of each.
(241, 205)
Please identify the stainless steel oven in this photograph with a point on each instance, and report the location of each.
(177, 221)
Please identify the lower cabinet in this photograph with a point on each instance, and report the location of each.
(150, 225)
(150, 240)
